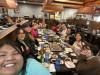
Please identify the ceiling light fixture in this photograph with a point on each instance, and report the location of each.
(24, 1)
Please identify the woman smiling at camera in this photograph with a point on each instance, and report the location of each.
(14, 62)
(78, 44)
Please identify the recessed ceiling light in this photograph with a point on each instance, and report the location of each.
(24, 1)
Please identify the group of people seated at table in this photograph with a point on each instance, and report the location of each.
(20, 57)
(87, 62)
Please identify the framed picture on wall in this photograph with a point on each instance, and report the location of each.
(16, 10)
(4, 10)
(52, 16)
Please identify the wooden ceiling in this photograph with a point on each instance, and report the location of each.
(65, 3)
(58, 5)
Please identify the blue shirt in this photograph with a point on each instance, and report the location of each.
(46, 55)
(57, 62)
(35, 68)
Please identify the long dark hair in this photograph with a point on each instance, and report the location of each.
(82, 37)
(81, 34)
(15, 46)
(26, 33)
(18, 31)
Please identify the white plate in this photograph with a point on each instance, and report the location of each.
(67, 50)
(73, 54)
(69, 64)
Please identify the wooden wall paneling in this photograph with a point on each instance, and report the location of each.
(95, 25)
(54, 7)
(88, 1)
(69, 1)
(80, 22)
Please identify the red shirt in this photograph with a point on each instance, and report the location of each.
(34, 32)
(55, 28)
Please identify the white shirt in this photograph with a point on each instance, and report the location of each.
(64, 32)
(77, 47)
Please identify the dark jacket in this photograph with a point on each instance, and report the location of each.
(89, 67)
(30, 44)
